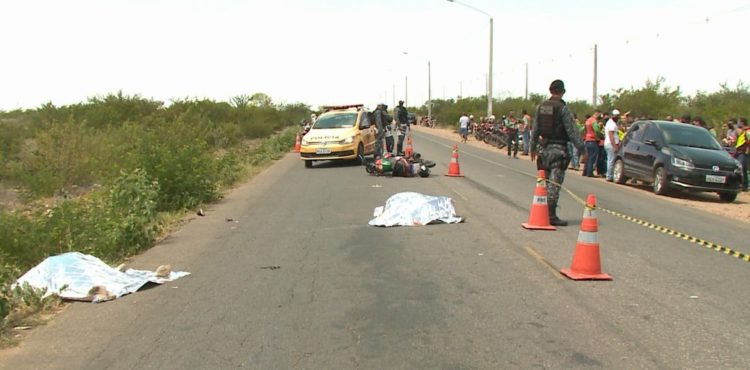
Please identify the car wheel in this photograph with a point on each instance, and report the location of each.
(308, 164)
(660, 181)
(360, 154)
(728, 197)
(619, 172)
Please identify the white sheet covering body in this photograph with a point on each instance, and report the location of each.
(72, 275)
(409, 209)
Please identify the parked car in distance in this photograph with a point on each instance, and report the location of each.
(341, 133)
(674, 156)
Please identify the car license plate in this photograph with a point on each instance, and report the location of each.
(716, 179)
(327, 151)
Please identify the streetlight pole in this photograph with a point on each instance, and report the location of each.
(489, 76)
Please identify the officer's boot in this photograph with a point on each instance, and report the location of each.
(553, 219)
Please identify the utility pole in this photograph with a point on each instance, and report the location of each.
(526, 94)
(489, 84)
(429, 93)
(593, 100)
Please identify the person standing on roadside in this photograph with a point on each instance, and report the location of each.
(381, 122)
(511, 130)
(730, 135)
(574, 155)
(611, 142)
(554, 127)
(592, 148)
(463, 127)
(742, 146)
(389, 141)
(402, 120)
(601, 163)
(526, 132)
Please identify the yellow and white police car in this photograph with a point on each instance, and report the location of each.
(341, 133)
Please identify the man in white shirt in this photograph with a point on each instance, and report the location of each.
(611, 142)
(463, 128)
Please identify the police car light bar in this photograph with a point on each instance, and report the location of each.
(339, 107)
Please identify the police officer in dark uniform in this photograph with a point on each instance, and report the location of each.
(553, 128)
(402, 120)
(382, 121)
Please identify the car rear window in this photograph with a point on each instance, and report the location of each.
(690, 136)
(340, 120)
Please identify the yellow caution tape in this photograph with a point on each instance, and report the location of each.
(677, 234)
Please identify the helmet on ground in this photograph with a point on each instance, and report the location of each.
(423, 171)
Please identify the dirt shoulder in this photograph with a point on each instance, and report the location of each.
(708, 202)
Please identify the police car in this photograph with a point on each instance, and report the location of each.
(343, 132)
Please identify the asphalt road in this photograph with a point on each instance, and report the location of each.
(483, 294)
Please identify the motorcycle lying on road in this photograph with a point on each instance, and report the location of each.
(399, 166)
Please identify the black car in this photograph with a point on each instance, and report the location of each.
(412, 118)
(677, 156)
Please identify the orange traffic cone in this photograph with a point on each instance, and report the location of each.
(586, 264)
(453, 169)
(298, 144)
(539, 215)
(409, 150)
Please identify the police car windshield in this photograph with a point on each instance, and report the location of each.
(338, 120)
(690, 136)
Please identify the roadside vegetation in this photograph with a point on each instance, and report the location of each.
(655, 99)
(107, 176)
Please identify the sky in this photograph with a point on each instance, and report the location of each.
(360, 51)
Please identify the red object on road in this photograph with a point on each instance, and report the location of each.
(539, 215)
(298, 144)
(586, 263)
(409, 150)
(453, 169)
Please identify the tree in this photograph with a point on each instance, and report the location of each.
(240, 101)
(726, 103)
(581, 108)
(654, 100)
(260, 99)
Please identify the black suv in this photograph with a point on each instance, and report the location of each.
(677, 156)
(412, 117)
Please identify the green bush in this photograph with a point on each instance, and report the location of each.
(131, 214)
(67, 154)
(186, 171)
(22, 238)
